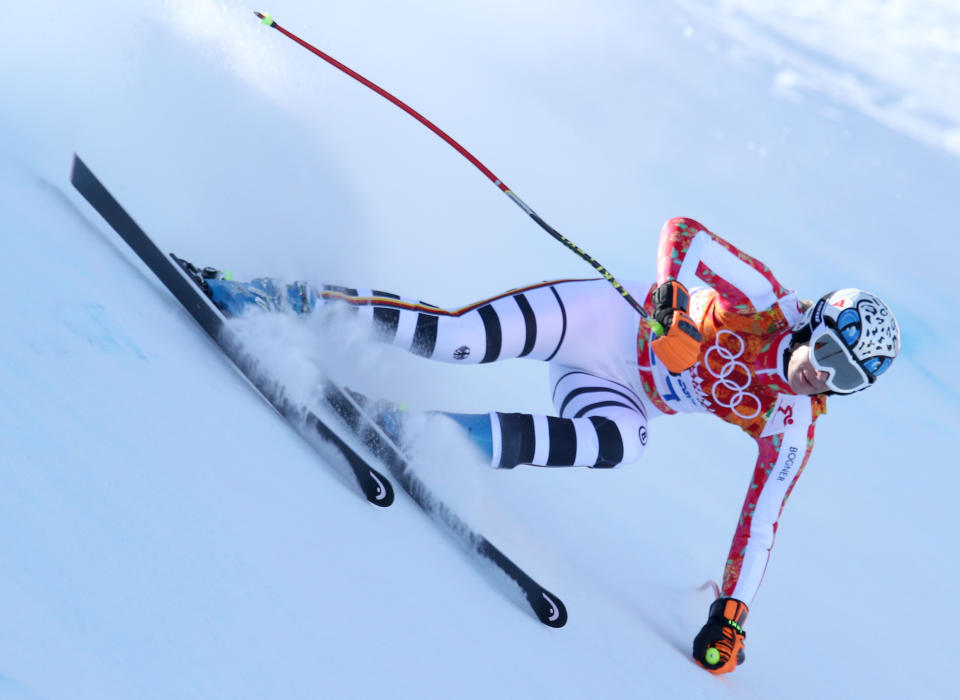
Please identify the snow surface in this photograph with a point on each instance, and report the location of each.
(163, 534)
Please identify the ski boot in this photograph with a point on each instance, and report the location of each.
(236, 298)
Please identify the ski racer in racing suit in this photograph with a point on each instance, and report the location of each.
(726, 338)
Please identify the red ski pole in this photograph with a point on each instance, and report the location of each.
(268, 20)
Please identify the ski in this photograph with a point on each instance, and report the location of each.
(374, 485)
(543, 604)
(546, 606)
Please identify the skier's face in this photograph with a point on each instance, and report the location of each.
(804, 378)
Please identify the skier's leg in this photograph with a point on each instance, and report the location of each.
(602, 424)
(581, 323)
(559, 320)
(528, 322)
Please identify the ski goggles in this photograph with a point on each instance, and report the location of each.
(831, 351)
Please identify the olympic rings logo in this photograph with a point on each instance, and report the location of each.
(738, 394)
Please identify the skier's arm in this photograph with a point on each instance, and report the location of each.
(781, 460)
(689, 253)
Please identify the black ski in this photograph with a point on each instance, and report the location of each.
(547, 607)
(374, 485)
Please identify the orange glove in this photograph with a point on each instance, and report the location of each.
(719, 646)
(678, 346)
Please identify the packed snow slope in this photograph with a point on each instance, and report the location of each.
(163, 534)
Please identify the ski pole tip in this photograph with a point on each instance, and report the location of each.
(264, 18)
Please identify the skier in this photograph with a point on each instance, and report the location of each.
(738, 345)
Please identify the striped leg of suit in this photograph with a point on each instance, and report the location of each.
(528, 322)
(601, 423)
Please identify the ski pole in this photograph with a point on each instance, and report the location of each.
(269, 21)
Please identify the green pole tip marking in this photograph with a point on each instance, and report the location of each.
(656, 326)
(712, 656)
(267, 20)
(228, 276)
